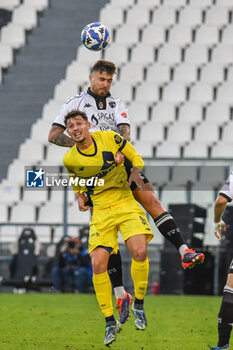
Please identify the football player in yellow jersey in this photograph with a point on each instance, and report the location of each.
(91, 161)
(106, 112)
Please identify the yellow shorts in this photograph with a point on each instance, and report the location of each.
(126, 217)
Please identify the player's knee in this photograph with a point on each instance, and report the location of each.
(140, 254)
(98, 265)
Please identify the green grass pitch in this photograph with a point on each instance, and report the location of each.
(74, 322)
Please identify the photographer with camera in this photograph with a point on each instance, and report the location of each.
(73, 271)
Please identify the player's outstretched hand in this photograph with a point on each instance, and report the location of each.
(218, 228)
(135, 176)
(81, 202)
(119, 158)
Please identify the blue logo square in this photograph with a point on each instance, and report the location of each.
(35, 178)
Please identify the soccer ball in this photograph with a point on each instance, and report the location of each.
(95, 36)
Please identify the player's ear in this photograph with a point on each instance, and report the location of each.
(90, 78)
(88, 125)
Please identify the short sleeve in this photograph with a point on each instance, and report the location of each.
(117, 141)
(60, 118)
(66, 108)
(227, 189)
(121, 115)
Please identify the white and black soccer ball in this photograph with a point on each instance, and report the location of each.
(95, 36)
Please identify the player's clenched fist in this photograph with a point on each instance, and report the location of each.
(218, 228)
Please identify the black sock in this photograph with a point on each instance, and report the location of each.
(110, 321)
(138, 303)
(225, 317)
(167, 227)
(115, 270)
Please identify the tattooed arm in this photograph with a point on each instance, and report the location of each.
(57, 136)
(124, 130)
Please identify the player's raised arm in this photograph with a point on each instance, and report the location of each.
(57, 132)
(219, 208)
(130, 152)
(137, 162)
(124, 131)
(57, 136)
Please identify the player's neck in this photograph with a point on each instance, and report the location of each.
(86, 143)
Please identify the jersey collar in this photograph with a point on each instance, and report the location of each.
(100, 101)
(88, 155)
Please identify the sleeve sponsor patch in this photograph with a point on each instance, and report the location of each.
(118, 139)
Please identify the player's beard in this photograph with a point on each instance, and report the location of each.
(100, 92)
(103, 92)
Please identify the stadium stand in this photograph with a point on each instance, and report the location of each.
(25, 16)
(6, 56)
(38, 5)
(191, 113)
(164, 113)
(13, 35)
(9, 4)
(30, 81)
(195, 149)
(117, 53)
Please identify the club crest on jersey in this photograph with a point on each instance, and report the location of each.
(124, 115)
(118, 139)
(112, 104)
(101, 105)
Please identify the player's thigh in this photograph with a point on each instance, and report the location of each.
(103, 231)
(148, 199)
(133, 221)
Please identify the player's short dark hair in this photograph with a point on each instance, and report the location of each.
(104, 66)
(75, 113)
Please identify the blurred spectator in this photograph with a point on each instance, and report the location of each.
(73, 270)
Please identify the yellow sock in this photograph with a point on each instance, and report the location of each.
(103, 291)
(140, 273)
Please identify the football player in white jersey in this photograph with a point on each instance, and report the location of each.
(225, 316)
(106, 112)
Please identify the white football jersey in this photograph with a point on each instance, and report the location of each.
(103, 113)
(227, 189)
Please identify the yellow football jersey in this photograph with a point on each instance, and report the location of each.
(94, 170)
